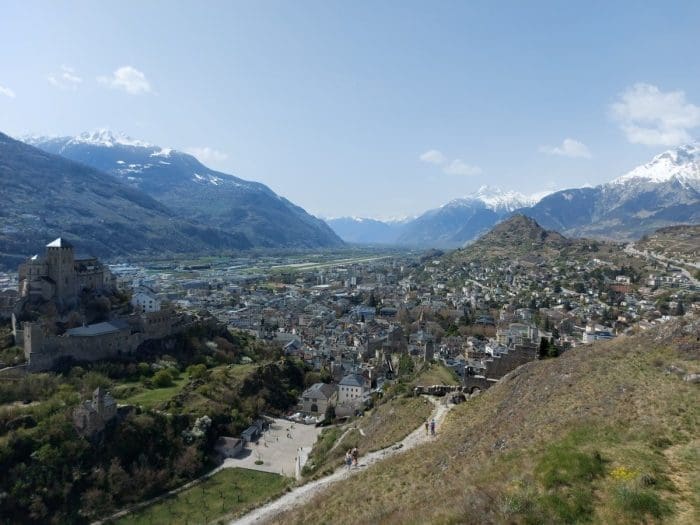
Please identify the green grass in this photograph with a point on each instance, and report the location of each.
(223, 496)
(152, 397)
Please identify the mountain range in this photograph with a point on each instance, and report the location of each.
(663, 192)
(45, 196)
(190, 189)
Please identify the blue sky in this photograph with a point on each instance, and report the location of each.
(379, 109)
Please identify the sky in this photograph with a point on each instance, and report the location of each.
(371, 109)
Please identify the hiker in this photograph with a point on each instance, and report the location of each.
(426, 428)
(432, 427)
(348, 459)
(354, 456)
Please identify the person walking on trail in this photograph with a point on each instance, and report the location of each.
(348, 459)
(426, 427)
(432, 427)
(354, 456)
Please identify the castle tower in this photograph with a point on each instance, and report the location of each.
(61, 268)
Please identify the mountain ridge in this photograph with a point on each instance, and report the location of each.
(662, 192)
(189, 188)
(47, 196)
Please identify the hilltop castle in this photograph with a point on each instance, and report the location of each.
(60, 276)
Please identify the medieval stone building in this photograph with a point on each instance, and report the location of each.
(91, 416)
(60, 276)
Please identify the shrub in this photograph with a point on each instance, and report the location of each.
(162, 378)
(638, 503)
(197, 371)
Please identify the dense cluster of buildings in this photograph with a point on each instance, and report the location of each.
(358, 319)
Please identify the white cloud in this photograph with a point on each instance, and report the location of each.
(433, 156)
(568, 148)
(459, 167)
(649, 116)
(67, 79)
(455, 167)
(128, 79)
(207, 155)
(7, 92)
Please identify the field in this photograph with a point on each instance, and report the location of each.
(223, 496)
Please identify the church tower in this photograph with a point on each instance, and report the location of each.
(61, 267)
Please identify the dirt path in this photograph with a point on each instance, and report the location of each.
(304, 493)
(685, 501)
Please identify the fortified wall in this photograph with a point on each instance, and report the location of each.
(106, 340)
(491, 370)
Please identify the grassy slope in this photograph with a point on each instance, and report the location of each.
(228, 493)
(387, 423)
(154, 397)
(383, 426)
(601, 434)
(435, 374)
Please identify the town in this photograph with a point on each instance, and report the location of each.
(241, 350)
(355, 315)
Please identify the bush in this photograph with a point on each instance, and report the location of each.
(639, 503)
(197, 371)
(162, 379)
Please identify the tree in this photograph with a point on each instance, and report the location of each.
(117, 478)
(547, 349)
(197, 371)
(373, 300)
(329, 416)
(679, 310)
(405, 364)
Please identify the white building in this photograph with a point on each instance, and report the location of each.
(145, 301)
(353, 393)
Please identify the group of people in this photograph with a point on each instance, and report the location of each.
(351, 458)
(430, 427)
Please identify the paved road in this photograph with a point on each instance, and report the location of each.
(665, 260)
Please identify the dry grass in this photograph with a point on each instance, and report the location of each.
(383, 426)
(435, 374)
(601, 434)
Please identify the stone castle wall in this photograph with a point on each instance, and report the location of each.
(43, 350)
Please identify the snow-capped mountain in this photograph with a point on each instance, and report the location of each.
(360, 230)
(453, 224)
(663, 192)
(463, 220)
(497, 199)
(100, 137)
(190, 189)
(681, 164)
